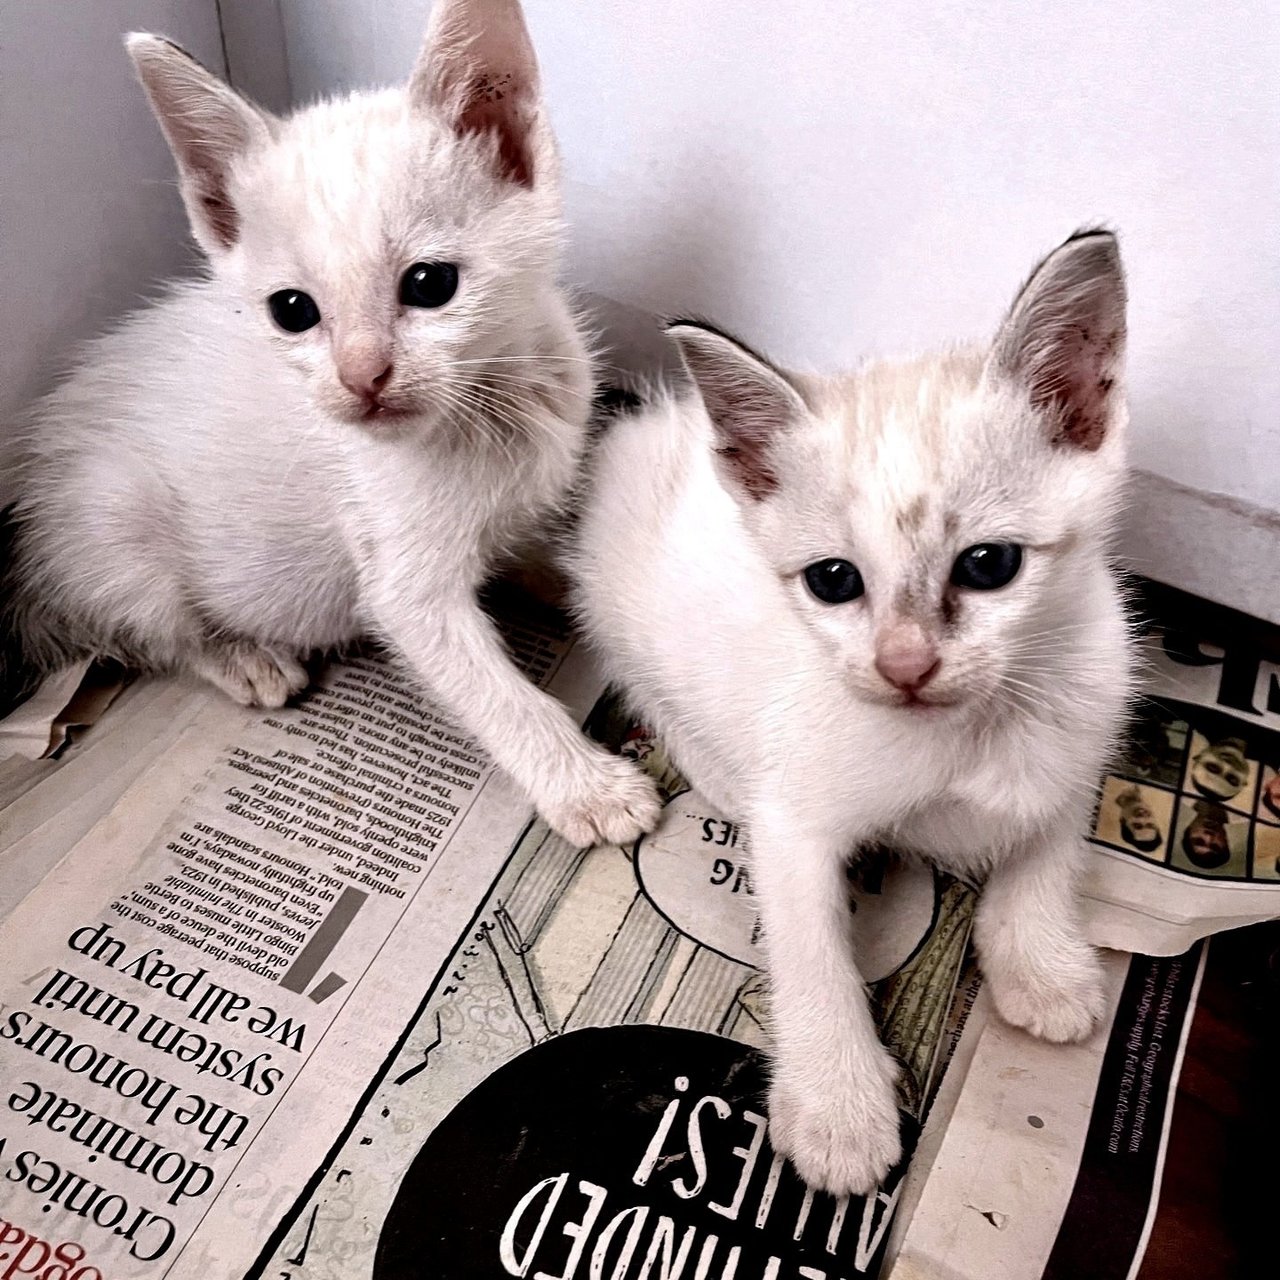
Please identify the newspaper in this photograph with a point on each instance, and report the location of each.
(308, 993)
(26, 732)
(1129, 1158)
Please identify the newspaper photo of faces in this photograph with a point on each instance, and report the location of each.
(1197, 791)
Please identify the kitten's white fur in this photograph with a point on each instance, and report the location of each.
(703, 513)
(206, 491)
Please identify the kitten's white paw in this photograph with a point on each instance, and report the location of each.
(254, 676)
(612, 803)
(842, 1137)
(1061, 1004)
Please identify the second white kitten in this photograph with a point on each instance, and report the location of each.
(879, 608)
(378, 391)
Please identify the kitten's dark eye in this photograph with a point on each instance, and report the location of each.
(834, 581)
(293, 310)
(428, 284)
(987, 566)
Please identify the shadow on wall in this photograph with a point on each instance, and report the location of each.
(695, 252)
(88, 196)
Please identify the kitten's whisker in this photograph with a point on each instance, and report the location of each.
(286, 473)
(517, 382)
(482, 420)
(503, 411)
(1021, 691)
(539, 386)
(1012, 682)
(477, 417)
(499, 411)
(1049, 632)
(518, 415)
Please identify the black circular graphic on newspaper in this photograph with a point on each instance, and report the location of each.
(618, 1152)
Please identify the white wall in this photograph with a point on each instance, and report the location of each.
(834, 178)
(90, 218)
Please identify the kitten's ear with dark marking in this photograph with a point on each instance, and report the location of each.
(748, 401)
(477, 68)
(208, 127)
(1064, 338)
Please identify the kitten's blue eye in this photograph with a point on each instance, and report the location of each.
(293, 310)
(987, 566)
(428, 284)
(834, 581)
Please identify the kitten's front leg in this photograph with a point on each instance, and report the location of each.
(585, 793)
(833, 1103)
(1042, 973)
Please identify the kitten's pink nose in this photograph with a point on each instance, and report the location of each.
(905, 656)
(365, 375)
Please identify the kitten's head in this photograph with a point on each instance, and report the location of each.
(380, 241)
(929, 520)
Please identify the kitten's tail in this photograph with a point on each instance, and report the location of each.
(30, 645)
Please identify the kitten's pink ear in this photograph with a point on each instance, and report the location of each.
(208, 127)
(477, 69)
(1064, 338)
(749, 402)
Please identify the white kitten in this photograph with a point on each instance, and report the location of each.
(377, 392)
(879, 608)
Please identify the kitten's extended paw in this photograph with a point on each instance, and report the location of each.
(1061, 1003)
(842, 1137)
(253, 675)
(612, 803)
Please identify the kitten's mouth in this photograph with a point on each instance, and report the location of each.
(382, 413)
(920, 705)
(914, 703)
(375, 416)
